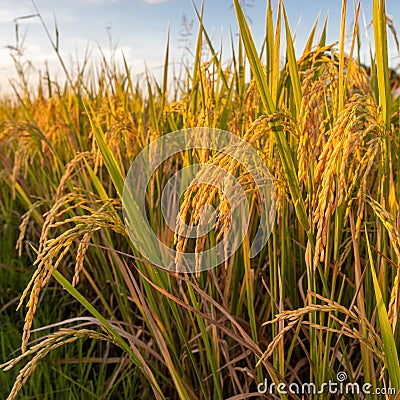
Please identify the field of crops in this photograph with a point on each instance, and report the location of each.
(318, 303)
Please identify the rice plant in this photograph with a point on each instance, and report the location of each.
(319, 303)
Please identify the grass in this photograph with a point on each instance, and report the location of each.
(322, 296)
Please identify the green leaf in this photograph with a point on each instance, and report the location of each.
(283, 146)
(108, 157)
(380, 35)
(293, 70)
(133, 353)
(389, 344)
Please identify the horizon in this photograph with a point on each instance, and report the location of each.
(139, 29)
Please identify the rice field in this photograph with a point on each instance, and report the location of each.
(319, 303)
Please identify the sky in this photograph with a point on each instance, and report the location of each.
(138, 29)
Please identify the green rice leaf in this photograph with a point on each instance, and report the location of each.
(389, 344)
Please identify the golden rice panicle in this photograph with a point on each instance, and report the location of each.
(314, 118)
(394, 302)
(23, 227)
(80, 257)
(70, 170)
(46, 268)
(319, 83)
(348, 326)
(214, 189)
(335, 165)
(52, 252)
(32, 305)
(390, 225)
(51, 342)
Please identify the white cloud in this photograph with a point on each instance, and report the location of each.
(156, 1)
(19, 12)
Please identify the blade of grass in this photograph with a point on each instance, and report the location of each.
(293, 69)
(283, 147)
(389, 344)
(133, 353)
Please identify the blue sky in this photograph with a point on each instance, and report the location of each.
(139, 28)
